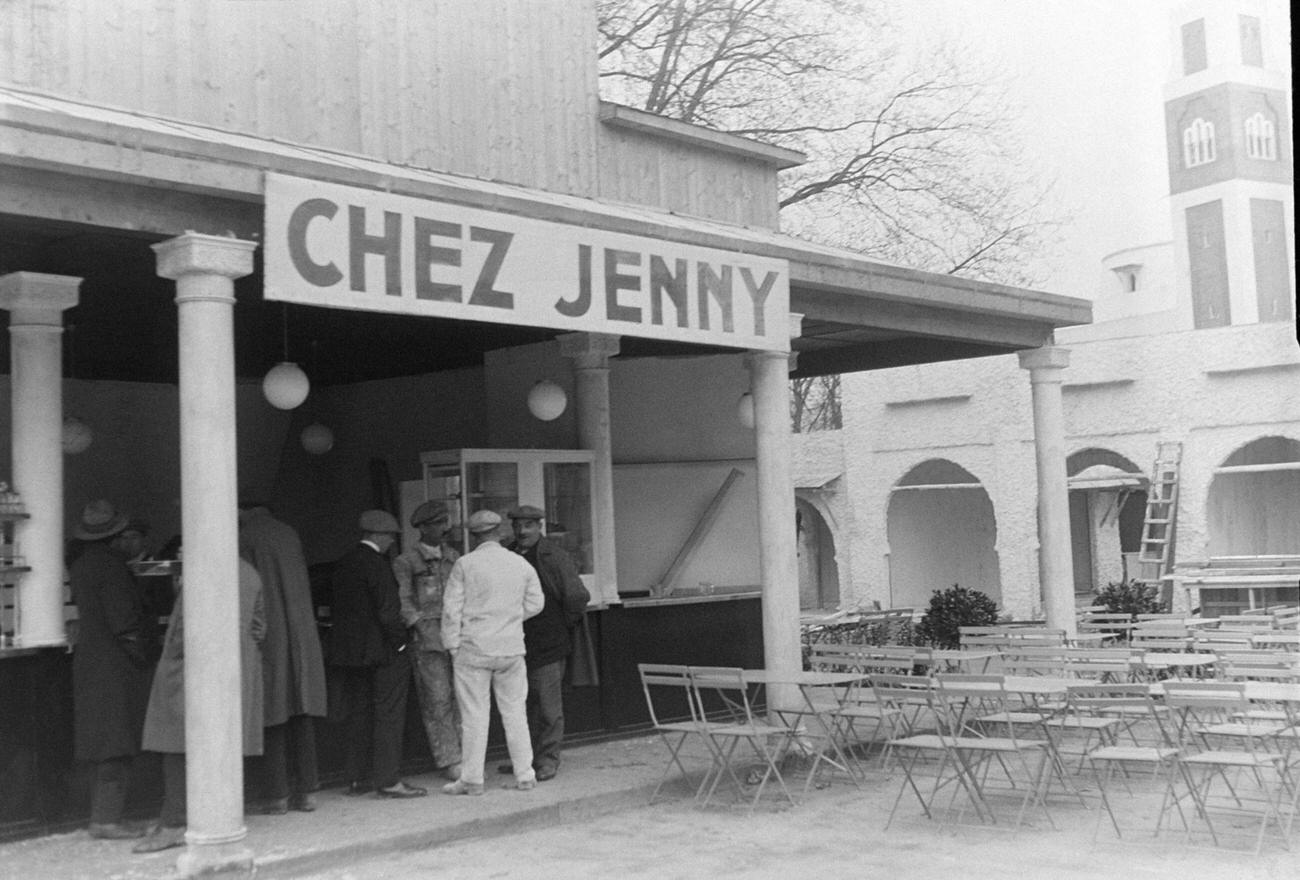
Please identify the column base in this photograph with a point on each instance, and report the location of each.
(212, 859)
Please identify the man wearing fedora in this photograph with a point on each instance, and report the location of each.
(110, 666)
(422, 574)
(549, 635)
(490, 593)
(367, 642)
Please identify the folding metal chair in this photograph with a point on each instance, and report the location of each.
(661, 684)
(1131, 707)
(1210, 715)
(727, 685)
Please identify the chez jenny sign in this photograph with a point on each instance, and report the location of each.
(344, 247)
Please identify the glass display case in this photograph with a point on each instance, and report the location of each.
(559, 481)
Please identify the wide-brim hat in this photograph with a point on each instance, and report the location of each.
(527, 511)
(379, 522)
(483, 521)
(99, 520)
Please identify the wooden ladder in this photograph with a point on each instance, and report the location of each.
(1162, 511)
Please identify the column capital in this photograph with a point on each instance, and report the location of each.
(35, 297)
(1048, 357)
(754, 355)
(196, 254)
(589, 350)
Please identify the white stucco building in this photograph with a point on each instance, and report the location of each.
(930, 481)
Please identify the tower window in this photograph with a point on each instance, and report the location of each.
(1194, 46)
(1198, 143)
(1261, 140)
(1252, 43)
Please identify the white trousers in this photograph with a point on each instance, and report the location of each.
(478, 678)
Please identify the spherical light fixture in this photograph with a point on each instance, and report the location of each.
(77, 436)
(745, 410)
(546, 401)
(317, 439)
(285, 385)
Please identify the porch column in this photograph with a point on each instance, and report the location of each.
(36, 304)
(590, 353)
(1055, 569)
(204, 268)
(779, 565)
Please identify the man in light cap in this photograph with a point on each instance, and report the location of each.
(549, 635)
(367, 643)
(422, 574)
(490, 593)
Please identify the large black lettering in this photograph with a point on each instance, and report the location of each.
(387, 244)
(427, 254)
(485, 292)
(616, 281)
(576, 308)
(718, 286)
(319, 274)
(672, 283)
(758, 294)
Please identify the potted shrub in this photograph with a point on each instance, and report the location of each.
(951, 609)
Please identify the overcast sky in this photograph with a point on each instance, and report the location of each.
(1089, 75)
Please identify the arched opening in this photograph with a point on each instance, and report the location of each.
(1253, 507)
(819, 577)
(1107, 505)
(942, 531)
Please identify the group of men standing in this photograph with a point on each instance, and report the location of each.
(499, 620)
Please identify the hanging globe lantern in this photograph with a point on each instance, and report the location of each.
(285, 385)
(77, 436)
(317, 439)
(546, 401)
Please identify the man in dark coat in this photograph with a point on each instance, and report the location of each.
(110, 667)
(368, 642)
(293, 671)
(548, 637)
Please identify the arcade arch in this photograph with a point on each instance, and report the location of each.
(941, 531)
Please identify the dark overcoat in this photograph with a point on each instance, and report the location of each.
(164, 726)
(293, 670)
(110, 677)
(365, 612)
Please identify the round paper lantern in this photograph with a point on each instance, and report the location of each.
(317, 439)
(285, 385)
(77, 436)
(745, 410)
(546, 400)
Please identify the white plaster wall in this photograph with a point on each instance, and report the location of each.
(1213, 390)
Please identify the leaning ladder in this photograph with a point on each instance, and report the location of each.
(1162, 510)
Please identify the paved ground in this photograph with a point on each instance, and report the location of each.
(593, 821)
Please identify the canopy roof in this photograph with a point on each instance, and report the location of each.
(87, 188)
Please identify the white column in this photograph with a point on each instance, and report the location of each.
(770, 386)
(204, 268)
(36, 304)
(1055, 569)
(590, 353)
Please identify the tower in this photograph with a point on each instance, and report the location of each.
(1231, 178)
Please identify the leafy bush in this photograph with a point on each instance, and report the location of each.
(1131, 597)
(953, 608)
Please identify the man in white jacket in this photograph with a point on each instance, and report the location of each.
(489, 595)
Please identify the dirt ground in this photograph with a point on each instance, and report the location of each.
(835, 832)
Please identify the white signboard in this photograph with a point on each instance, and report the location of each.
(350, 248)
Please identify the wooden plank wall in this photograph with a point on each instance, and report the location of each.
(496, 89)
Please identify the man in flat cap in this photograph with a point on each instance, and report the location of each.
(368, 643)
(549, 635)
(490, 593)
(422, 574)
